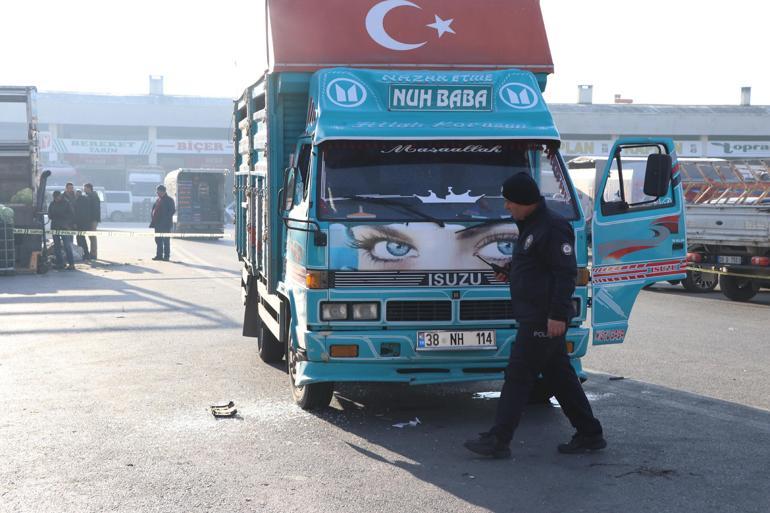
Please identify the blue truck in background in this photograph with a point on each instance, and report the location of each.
(368, 209)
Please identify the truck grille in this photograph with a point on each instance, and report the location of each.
(419, 311)
(486, 310)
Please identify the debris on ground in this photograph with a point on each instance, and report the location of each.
(411, 423)
(223, 410)
(486, 395)
(651, 472)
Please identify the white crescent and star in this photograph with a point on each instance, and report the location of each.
(375, 25)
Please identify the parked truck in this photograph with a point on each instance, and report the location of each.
(22, 185)
(365, 195)
(141, 183)
(728, 218)
(199, 195)
(728, 226)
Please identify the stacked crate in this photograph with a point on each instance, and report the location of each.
(7, 248)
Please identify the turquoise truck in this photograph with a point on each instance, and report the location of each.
(368, 202)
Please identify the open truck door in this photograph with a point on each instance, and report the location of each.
(638, 231)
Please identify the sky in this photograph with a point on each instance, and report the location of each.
(657, 51)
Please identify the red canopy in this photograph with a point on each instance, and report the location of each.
(459, 34)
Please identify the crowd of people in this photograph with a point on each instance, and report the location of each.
(74, 210)
(80, 210)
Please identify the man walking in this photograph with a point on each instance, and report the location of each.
(542, 278)
(162, 221)
(62, 218)
(95, 216)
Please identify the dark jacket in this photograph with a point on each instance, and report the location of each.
(62, 215)
(544, 269)
(83, 214)
(162, 214)
(95, 207)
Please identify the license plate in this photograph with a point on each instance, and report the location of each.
(455, 340)
(729, 259)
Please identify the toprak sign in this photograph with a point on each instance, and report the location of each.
(460, 34)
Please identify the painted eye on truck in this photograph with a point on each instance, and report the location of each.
(392, 250)
(496, 247)
(385, 249)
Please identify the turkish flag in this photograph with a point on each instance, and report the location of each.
(456, 34)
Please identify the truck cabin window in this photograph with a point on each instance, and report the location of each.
(440, 180)
(624, 188)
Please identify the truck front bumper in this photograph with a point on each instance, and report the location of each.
(411, 366)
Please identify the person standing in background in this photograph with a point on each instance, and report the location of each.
(82, 210)
(69, 193)
(62, 218)
(95, 217)
(162, 221)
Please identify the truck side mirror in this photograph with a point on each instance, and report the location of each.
(657, 176)
(289, 187)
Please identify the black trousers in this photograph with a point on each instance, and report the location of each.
(162, 244)
(81, 240)
(534, 353)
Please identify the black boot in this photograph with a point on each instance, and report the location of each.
(487, 444)
(582, 444)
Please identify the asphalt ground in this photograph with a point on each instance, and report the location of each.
(107, 373)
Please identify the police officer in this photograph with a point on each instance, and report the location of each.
(542, 279)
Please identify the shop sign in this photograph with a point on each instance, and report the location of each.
(194, 146)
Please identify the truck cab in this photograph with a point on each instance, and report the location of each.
(369, 208)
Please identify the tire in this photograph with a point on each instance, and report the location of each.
(738, 289)
(251, 321)
(270, 348)
(697, 281)
(117, 217)
(308, 397)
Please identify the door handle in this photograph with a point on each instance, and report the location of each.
(677, 245)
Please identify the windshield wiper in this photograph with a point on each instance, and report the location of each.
(488, 222)
(394, 203)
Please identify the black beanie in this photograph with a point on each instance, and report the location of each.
(521, 189)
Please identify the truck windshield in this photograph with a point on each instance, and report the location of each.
(443, 180)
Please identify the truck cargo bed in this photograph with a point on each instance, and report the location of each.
(729, 225)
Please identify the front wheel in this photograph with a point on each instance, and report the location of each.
(309, 397)
(697, 281)
(738, 289)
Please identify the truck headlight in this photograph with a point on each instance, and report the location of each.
(366, 311)
(334, 311)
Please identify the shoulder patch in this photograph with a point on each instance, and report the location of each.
(566, 248)
(528, 241)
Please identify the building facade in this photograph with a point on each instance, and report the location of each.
(108, 139)
(130, 142)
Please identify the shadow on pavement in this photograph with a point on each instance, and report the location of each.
(92, 294)
(668, 451)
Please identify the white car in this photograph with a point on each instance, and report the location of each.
(116, 206)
